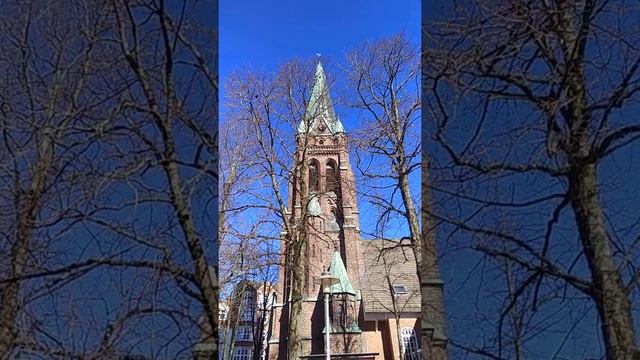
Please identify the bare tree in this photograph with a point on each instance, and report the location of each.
(529, 107)
(164, 101)
(249, 263)
(240, 220)
(272, 106)
(385, 77)
(108, 206)
(236, 318)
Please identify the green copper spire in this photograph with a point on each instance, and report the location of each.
(320, 107)
(337, 269)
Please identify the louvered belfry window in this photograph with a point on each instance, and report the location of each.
(313, 177)
(341, 316)
(332, 177)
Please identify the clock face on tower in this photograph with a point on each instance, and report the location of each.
(320, 127)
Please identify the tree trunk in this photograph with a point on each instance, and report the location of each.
(27, 212)
(207, 284)
(229, 343)
(295, 346)
(412, 220)
(430, 282)
(401, 347)
(608, 292)
(206, 278)
(9, 293)
(611, 298)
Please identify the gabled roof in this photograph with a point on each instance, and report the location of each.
(320, 107)
(386, 262)
(337, 269)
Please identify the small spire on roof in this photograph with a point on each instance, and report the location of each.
(337, 269)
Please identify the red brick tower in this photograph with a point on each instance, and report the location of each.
(333, 234)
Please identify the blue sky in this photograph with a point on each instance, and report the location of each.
(264, 34)
(472, 286)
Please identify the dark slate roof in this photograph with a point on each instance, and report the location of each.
(385, 263)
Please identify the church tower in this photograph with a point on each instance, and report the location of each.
(332, 196)
(333, 234)
(375, 306)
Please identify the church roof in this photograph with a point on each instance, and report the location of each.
(337, 269)
(387, 265)
(320, 107)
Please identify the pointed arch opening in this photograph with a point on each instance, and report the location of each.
(314, 178)
(340, 318)
(331, 175)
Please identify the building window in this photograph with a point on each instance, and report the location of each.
(247, 314)
(352, 313)
(410, 344)
(222, 315)
(331, 176)
(242, 353)
(313, 177)
(399, 289)
(248, 306)
(341, 316)
(248, 298)
(245, 333)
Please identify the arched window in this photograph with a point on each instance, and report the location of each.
(313, 176)
(410, 344)
(341, 316)
(332, 176)
(352, 313)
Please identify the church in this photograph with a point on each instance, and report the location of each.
(374, 301)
